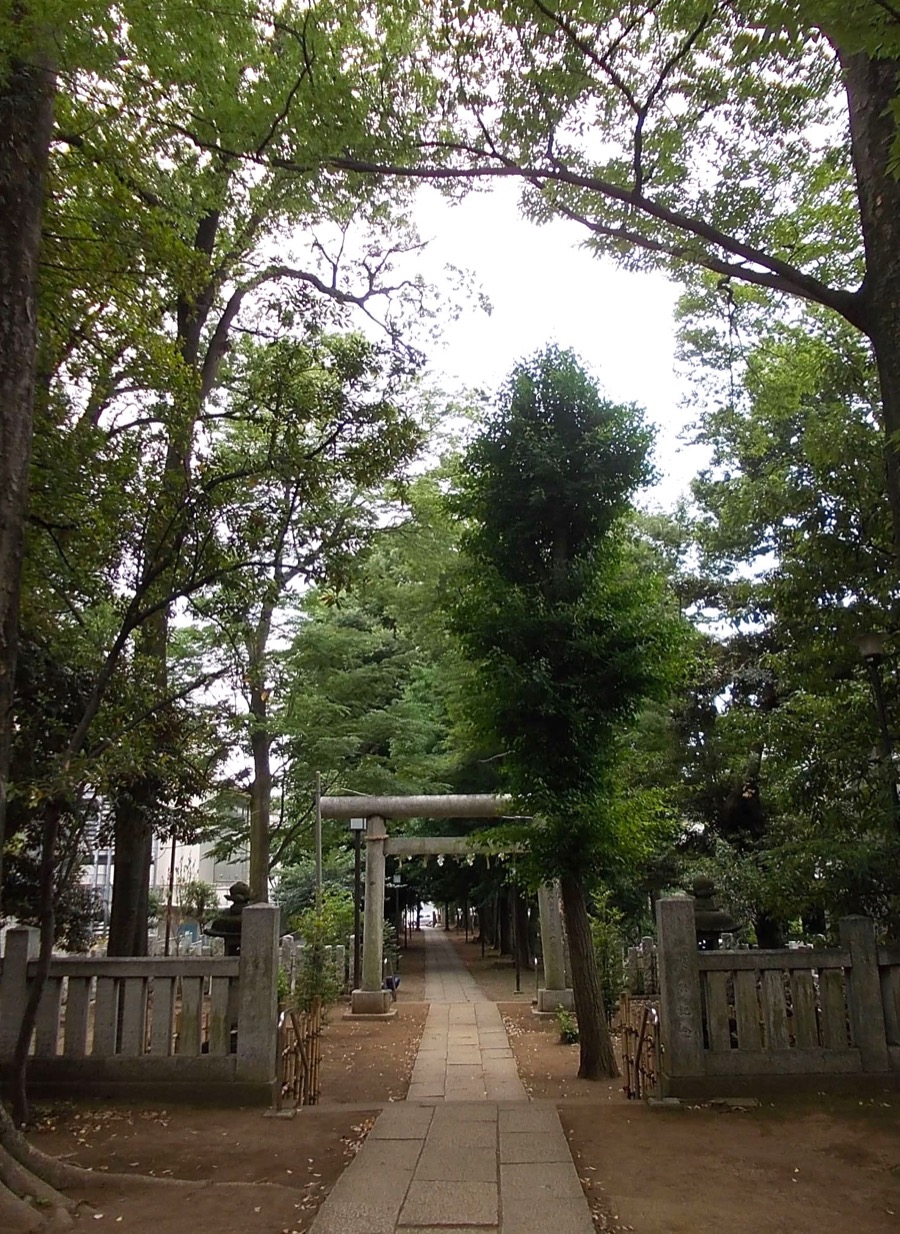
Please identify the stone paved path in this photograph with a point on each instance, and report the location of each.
(466, 1149)
(464, 1053)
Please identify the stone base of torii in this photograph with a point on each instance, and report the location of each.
(371, 999)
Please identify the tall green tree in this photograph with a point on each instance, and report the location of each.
(565, 629)
(314, 428)
(783, 769)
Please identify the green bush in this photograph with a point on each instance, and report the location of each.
(568, 1026)
(328, 926)
(331, 925)
(609, 949)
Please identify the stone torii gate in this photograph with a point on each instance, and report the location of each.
(371, 998)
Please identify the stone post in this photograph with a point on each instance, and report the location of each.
(257, 1035)
(680, 1011)
(864, 999)
(22, 945)
(555, 992)
(632, 971)
(371, 998)
(648, 964)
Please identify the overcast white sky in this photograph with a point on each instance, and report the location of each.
(544, 289)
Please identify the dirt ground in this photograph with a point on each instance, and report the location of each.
(549, 1070)
(293, 1164)
(824, 1166)
(370, 1061)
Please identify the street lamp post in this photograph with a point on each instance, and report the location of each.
(357, 826)
(871, 648)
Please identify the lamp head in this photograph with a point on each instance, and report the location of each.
(871, 646)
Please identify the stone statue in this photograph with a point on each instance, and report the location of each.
(227, 925)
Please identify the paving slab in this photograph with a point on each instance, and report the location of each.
(525, 1146)
(426, 1092)
(459, 1112)
(502, 1090)
(554, 1180)
(562, 1216)
(460, 1163)
(402, 1122)
(536, 1119)
(463, 1133)
(462, 1203)
(387, 1155)
(337, 1217)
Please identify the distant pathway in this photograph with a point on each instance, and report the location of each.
(464, 1053)
(466, 1149)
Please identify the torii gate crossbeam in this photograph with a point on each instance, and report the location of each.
(371, 998)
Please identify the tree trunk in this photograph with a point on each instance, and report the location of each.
(598, 1060)
(872, 87)
(504, 921)
(523, 931)
(769, 931)
(138, 810)
(133, 839)
(47, 917)
(260, 799)
(261, 743)
(26, 123)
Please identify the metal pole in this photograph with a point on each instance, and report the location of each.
(318, 842)
(357, 898)
(169, 898)
(515, 934)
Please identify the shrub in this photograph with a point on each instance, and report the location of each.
(568, 1026)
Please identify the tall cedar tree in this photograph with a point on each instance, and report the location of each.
(565, 636)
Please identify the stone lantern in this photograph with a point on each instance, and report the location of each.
(710, 921)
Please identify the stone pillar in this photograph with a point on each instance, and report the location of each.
(555, 992)
(648, 964)
(21, 945)
(257, 1036)
(680, 1010)
(864, 998)
(371, 998)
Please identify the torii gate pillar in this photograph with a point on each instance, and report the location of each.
(555, 994)
(372, 998)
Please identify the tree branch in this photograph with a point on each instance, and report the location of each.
(782, 275)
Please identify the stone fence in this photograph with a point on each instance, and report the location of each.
(739, 1022)
(167, 1029)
